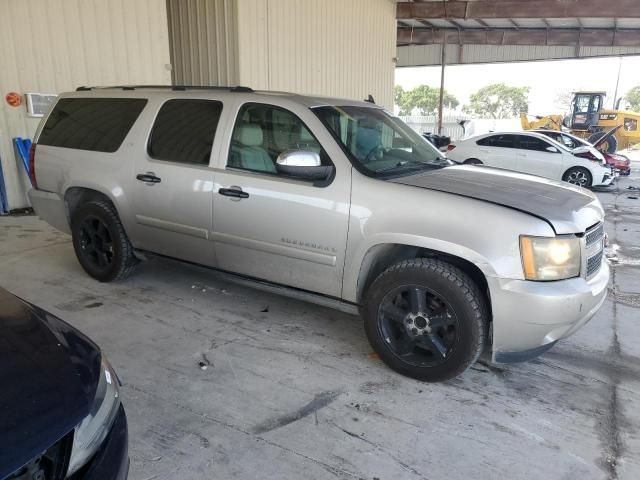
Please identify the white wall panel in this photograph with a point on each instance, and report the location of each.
(57, 45)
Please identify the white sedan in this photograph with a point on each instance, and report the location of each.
(536, 154)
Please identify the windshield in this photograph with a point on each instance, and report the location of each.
(380, 144)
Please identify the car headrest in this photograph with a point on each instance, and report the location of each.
(250, 135)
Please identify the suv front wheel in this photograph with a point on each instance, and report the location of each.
(100, 242)
(426, 319)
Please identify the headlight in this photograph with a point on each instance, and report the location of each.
(93, 429)
(546, 259)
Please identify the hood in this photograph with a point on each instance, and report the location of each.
(606, 135)
(48, 376)
(567, 208)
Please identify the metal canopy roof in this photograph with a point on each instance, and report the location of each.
(613, 23)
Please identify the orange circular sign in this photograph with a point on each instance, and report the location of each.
(14, 99)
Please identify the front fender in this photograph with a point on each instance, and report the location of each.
(365, 253)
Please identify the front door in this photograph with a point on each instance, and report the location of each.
(174, 184)
(535, 159)
(498, 151)
(273, 227)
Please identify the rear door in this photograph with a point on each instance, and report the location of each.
(498, 151)
(173, 182)
(534, 158)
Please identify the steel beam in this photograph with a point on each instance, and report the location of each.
(589, 37)
(483, 9)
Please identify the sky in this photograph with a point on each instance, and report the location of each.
(547, 79)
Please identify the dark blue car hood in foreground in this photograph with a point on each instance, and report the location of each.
(48, 378)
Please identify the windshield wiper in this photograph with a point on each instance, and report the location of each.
(417, 165)
(397, 165)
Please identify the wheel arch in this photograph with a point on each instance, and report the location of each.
(473, 161)
(381, 256)
(75, 196)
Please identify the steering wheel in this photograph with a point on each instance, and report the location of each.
(375, 151)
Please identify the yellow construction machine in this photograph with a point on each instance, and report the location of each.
(590, 121)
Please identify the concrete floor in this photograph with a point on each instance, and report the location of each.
(292, 391)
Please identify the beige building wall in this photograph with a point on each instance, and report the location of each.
(52, 46)
(343, 48)
(204, 48)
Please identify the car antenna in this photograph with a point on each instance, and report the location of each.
(370, 99)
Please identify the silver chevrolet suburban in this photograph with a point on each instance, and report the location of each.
(334, 201)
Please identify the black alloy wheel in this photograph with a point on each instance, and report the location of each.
(96, 244)
(418, 325)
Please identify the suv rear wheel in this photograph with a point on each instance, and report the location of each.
(100, 242)
(426, 319)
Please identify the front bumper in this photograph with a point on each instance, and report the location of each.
(111, 462)
(530, 317)
(606, 179)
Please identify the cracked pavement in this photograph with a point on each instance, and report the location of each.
(222, 381)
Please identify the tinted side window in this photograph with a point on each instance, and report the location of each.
(96, 124)
(262, 132)
(502, 141)
(532, 143)
(184, 130)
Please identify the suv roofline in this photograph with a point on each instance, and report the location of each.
(180, 88)
(308, 100)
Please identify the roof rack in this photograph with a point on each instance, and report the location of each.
(170, 87)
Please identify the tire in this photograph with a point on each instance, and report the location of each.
(100, 242)
(454, 312)
(611, 144)
(578, 176)
(472, 161)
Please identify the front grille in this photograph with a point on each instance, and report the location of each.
(51, 465)
(594, 245)
(594, 263)
(595, 233)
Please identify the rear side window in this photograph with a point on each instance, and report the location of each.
(184, 130)
(502, 141)
(95, 124)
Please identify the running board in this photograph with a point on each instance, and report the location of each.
(265, 286)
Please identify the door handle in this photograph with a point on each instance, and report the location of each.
(235, 192)
(148, 177)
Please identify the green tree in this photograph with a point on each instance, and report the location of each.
(423, 98)
(499, 101)
(633, 97)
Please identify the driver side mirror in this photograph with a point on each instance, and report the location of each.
(551, 149)
(302, 164)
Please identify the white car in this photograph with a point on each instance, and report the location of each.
(536, 154)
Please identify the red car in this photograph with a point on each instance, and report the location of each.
(618, 162)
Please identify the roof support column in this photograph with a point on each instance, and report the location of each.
(443, 62)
